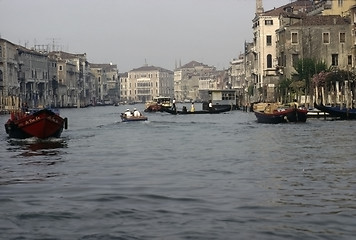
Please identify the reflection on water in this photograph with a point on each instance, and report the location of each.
(34, 155)
(37, 147)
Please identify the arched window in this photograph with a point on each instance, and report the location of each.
(269, 61)
(1, 78)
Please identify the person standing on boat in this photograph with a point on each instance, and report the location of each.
(210, 106)
(136, 113)
(174, 104)
(192, 108)
(128, 113)
(295, 102)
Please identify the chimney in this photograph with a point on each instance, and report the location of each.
(259, 7)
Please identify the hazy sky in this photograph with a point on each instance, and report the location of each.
(131, 32)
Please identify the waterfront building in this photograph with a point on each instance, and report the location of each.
(237, 73)
(26, 76)
(124, 86)
(323, 38)
(74, 79)
(353, 35)
(147, 82)
(338, 7)
(36, 73)
(9, 78)
(189, 77)
(106, 82)
(265, 60)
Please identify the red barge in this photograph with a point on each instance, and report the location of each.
(43, 123)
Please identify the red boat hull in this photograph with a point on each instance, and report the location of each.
(41, 124)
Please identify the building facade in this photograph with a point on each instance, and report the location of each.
(189, 78)
(9, 76)
(265, 62)
(106, 78)
(147, 82)
(75, 80)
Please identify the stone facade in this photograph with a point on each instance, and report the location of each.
(265, 25)
(124, 86)
(75, 80)
(106, 82)
(323, 38)
(147, 82)
(189, 77)
(9, 75)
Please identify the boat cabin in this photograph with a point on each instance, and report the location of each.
(164, 101)
(220, 98)
(158, 103)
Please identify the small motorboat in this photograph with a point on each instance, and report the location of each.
(125, 118)
(40, 123)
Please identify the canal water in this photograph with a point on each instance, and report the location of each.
(180, 177)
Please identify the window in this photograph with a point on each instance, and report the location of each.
(349, 59)
(228, 96)
(342, 37)
(295, 59)
(268, 22)
(326, 37)
(0, 51)
(60, 68)
(334, 59)
(269, 61)
(340, 3)
(294, 38)
(269, 40)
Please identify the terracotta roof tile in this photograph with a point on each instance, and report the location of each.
(150, 68)
(299, 5)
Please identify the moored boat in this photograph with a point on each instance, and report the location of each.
(275, 113)
(342, 113)
(316, 113)
(185, 111)
(40, 123)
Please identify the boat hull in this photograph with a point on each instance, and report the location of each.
(284, 116)
(214, 111)
(337, 112)
(133, 119)
(41, 124)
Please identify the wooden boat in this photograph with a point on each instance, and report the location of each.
(185, 111)
(274, 113)
(42, 123)
(158, 104)
(338, 112)
(124, 118)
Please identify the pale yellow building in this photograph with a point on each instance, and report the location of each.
(147, 82)
(338, 7)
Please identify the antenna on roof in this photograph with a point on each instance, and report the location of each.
(54, 45)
